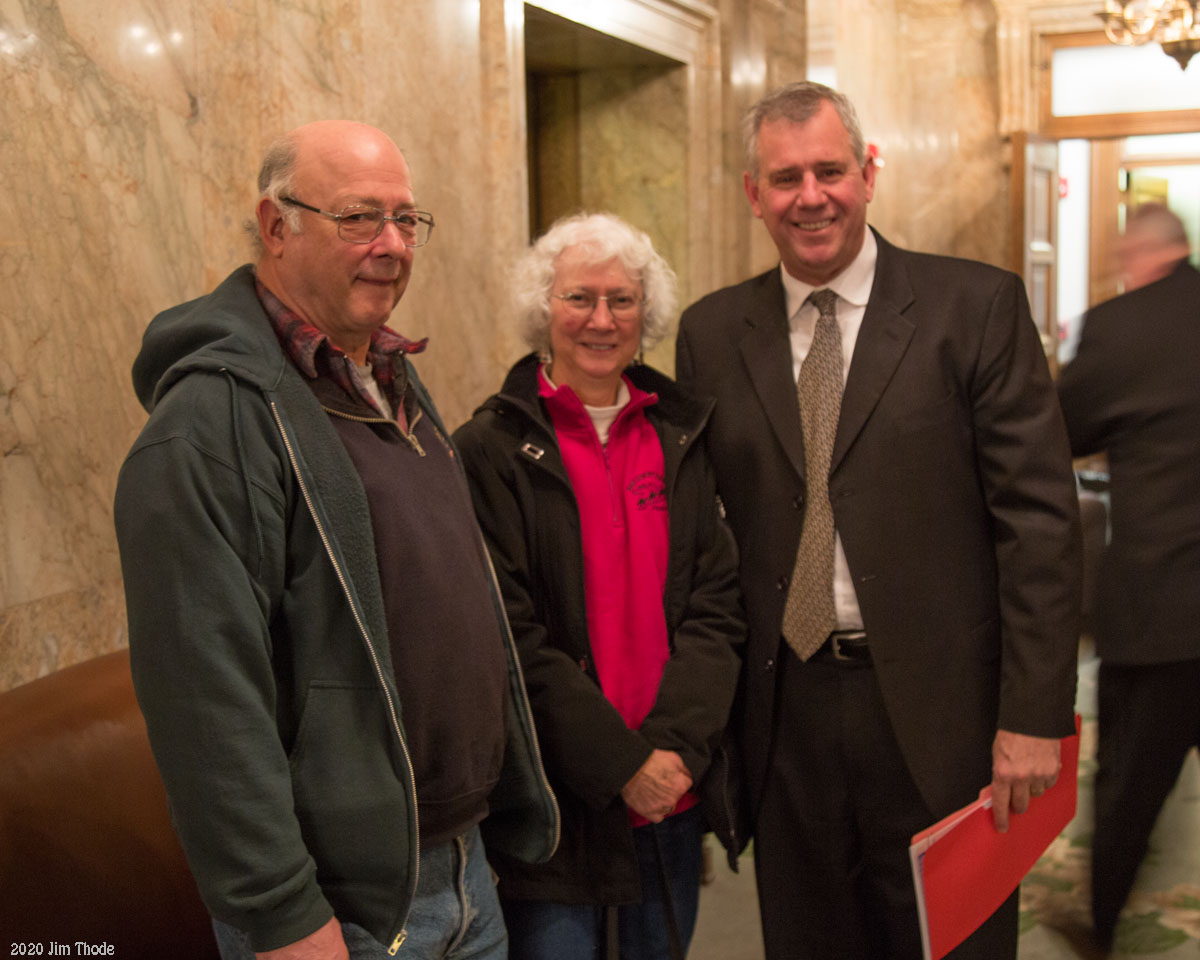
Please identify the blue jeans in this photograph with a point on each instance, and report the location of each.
(454, 914)
(543, 930)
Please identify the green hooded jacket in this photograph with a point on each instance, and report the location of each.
(258, 640)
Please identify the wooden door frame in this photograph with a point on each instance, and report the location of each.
(1103, 125)
(1023, 260)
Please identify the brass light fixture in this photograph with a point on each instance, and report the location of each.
(1173, 24)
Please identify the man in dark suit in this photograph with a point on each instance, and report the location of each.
(1132, 391)
(909, 547)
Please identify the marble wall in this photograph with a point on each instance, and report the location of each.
(131, 132)
(922, 74)
(923, 77)
(616, 139)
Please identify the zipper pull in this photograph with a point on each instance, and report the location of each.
(395, 947)
(416, 444)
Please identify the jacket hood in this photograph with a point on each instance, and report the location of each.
(224, 330)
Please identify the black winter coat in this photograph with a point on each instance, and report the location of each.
(530, 521)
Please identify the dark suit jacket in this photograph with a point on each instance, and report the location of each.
(952, 490)
(1134, 391)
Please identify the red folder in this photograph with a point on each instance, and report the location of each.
(964, 869)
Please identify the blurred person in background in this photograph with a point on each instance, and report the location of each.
(1133, 392)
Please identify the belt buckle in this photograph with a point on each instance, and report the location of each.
(835, 646)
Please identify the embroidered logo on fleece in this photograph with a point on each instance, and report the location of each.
(649, 491)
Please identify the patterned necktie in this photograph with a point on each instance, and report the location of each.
(809, 615)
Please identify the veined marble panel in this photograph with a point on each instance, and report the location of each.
(923, 77)
(645, 181)
(131, 136)
(131, 133)
(40, 637)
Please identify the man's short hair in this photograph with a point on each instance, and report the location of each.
(799, 103)
(1157, 220)
(276, 180)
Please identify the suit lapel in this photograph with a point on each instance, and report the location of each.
(882, 341)
(767, 354)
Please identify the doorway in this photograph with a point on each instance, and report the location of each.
(1127, 125)
(1103, 180)
(620, 116)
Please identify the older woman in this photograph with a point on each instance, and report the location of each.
(596, 498)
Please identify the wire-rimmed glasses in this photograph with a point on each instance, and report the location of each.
(582, 304)
(360, 223)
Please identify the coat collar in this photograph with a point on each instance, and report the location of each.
(520, 390)
(767, 354)
(882, 341)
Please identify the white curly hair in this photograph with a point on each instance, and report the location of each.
(601, 237)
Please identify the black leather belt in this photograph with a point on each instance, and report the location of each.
(845, 646)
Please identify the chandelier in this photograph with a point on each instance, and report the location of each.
(1174, 24)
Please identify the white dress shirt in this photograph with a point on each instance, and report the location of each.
(853, 289)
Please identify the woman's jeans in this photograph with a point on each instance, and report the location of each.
(541, 930)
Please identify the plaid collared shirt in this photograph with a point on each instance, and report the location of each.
(314, 354)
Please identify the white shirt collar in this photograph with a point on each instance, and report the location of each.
(852, 285)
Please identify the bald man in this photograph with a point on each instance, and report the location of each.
(1132, 392)
(318, 646)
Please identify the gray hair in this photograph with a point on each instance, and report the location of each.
(1157, 220)
(601, 237)
(799, 103)
(276, 179)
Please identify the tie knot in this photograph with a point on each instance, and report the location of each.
(825, 301)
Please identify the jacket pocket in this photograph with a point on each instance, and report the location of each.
(349, 794)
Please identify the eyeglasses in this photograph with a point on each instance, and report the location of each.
(580, 304)
(359, 223)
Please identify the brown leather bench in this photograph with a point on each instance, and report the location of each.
(87, 852)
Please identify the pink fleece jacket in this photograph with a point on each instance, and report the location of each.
(620, 489)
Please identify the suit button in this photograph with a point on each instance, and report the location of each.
(769, 666)
(782, 583)
(798, 501)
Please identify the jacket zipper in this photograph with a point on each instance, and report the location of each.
(411, 436)
(537, 748)
(535, 454)
(341, 576)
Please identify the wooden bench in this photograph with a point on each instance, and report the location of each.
(87, 852)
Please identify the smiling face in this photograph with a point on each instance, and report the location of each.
(812, 194)
(589, 353)
(346, 290)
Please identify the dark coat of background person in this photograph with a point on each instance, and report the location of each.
(959, 523)
(1133, 390)
(530, 520)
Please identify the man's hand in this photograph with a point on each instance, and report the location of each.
(656, 788)
(325, 943)
(1022, 767)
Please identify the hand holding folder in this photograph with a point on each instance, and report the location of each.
(964, 869)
